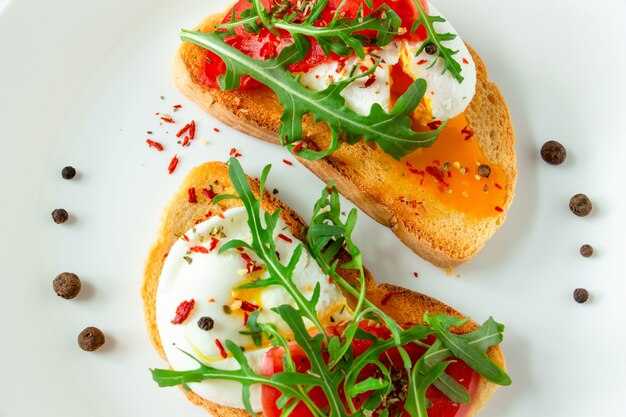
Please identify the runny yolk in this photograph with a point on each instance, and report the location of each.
(449, 169)
(456, 172)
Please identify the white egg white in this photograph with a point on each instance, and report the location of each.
(209, 279)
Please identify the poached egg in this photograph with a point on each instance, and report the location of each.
(209, 279)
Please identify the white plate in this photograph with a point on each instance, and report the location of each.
(80, 83)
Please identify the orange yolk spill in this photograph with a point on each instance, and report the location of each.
(449, 169)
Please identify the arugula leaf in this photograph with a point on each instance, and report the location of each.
(263, 241)
(471, 347)
(421, 378)
(390, 131)
(443, 52)
(339, 35)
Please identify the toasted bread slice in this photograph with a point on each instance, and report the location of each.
(363, 174)
(404, 305)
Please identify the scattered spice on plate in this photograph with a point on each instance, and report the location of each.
(66, 285)
(206, 323)
(91, 339)
(586, 250)
(60, 216)
(68, 172)
(580, 205)
(553, 152)
(275, 191)
(173, 164)
(581, 295)
(155, 145)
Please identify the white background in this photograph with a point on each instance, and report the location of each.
(80, 83)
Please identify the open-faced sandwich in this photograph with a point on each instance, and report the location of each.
(257, 312)
(380, 96)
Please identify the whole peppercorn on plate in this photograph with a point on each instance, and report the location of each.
(87, 86)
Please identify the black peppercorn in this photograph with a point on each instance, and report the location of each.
(553, 152)
(66, 285)
(581, 295)
(68, 173)
(206, 323)
(90, 339)
(580, 205)
(484, 170)
(586, 250)
(60, 216)
(431, 49)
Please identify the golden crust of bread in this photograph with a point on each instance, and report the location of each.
(363, 174)
(404, 305)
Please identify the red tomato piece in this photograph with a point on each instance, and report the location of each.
(442, 406)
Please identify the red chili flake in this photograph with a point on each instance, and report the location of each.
(184, 237)
(183, 130)
(214, 242)
(182, 311)
(330, 190)
(240, 249)
(173, 164)
(449, 174)
(330, 279)
(212, 300)
(208, 214)
(177, 106)
(185, 141)
(192, 130)
(216, 130)
(388, 296)
(198, 249)
(167, 119)
(249, 307)
(499, 209)
(436, 162)
(465, 61)
(245, 319)
(370, 80)
(287, 162)
(209, 193)
(434, 125)
(233, 152)
(193, 198)
(220, 347)
(416, 274)
(437, 174)
(402, 199)
(297, 147)
(221, 215)
(363, 68)
(285, 238)
(165, 256)
(155, 145)
(498, 186)
(422, 61)
(467, 132)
